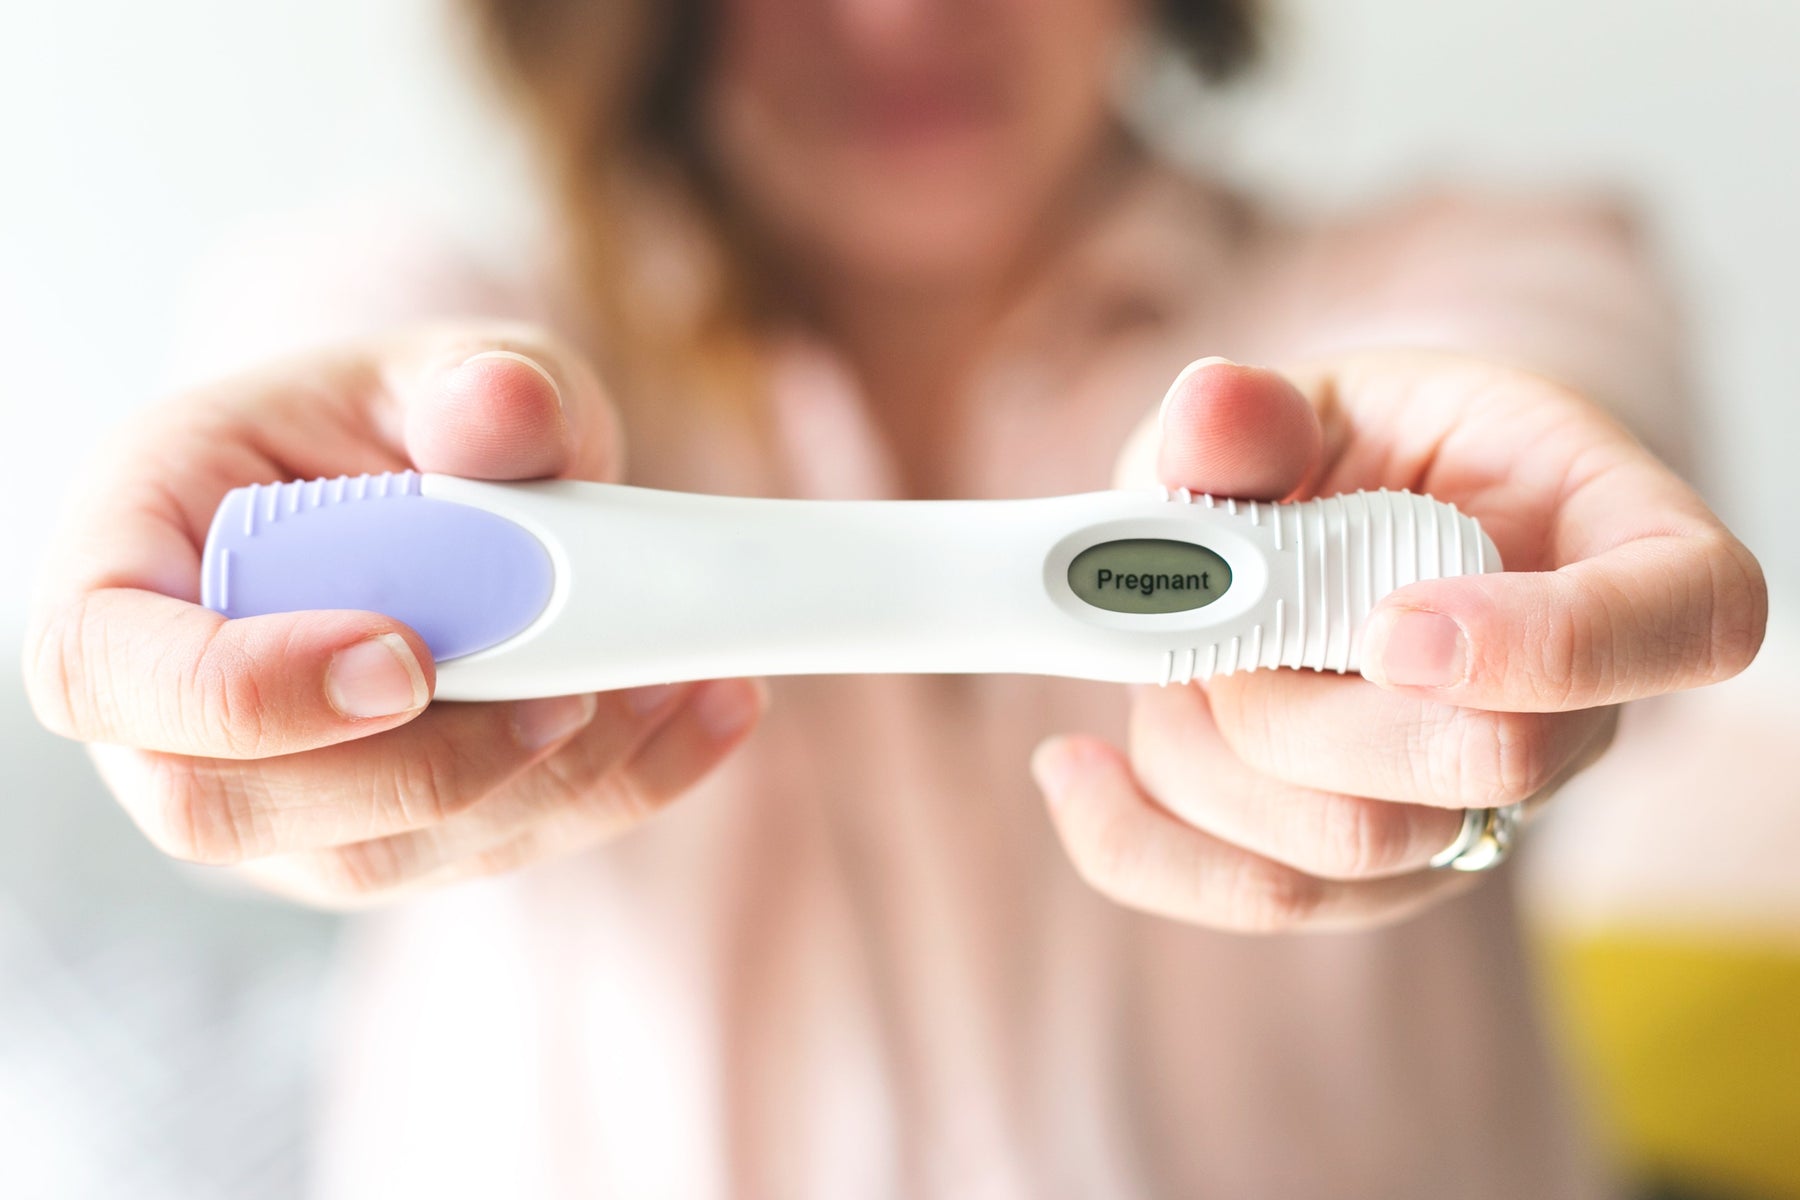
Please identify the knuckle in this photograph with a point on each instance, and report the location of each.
(1107, 859)
(1355, 837)
(1562, 655)
(419, 788)
(1572, 662)
(1258, 733)
(232, 709)
(1500, 758)
(192, 814)
(573, 782)
(361, 870)
(446, 774)
(1264, 897)
(598, 791)
(53, 659)
(621, 799)
(501, 859)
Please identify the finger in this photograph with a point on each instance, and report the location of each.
(1338, 733)
(142, 509)
(1622, 583)
(1657, 614)
(128, 666)
(109, 658)
(683, 752)
(1237, 431)
(225, 811)
(588, 792)
(507, 404)
(1181, 759)
(492, 399)
(487, 399)
(1141, 856)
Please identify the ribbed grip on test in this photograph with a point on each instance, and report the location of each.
(465, 579)
(1331, 561)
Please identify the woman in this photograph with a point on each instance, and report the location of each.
(837, 248)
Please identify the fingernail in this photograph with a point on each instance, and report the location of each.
(1415, 647)
(1162, 413)
(515, 356)
(642, 701)
(546, 721)
(376, 678)
(725, 706)
(1051, 767)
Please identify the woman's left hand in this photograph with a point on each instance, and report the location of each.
(1282, 799)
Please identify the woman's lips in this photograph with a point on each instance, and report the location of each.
(921, 114)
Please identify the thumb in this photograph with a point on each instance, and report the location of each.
(127, 666)
(1235, 431)
(513, 406)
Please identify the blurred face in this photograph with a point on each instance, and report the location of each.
(910, 141)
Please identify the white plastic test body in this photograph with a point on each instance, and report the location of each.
(549, 588)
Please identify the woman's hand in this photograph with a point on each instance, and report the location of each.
(301, 744)
(1298, 799)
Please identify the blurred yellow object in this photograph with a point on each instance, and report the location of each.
(1695, 1047)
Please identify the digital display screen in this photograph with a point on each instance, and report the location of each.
(1148, 575)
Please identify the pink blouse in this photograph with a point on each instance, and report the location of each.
(856, 963)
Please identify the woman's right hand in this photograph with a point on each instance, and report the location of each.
(304, 745)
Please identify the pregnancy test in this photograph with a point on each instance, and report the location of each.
(553, 587)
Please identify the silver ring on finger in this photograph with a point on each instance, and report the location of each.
(1483, 842)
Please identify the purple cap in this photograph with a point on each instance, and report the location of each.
(463, 577)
